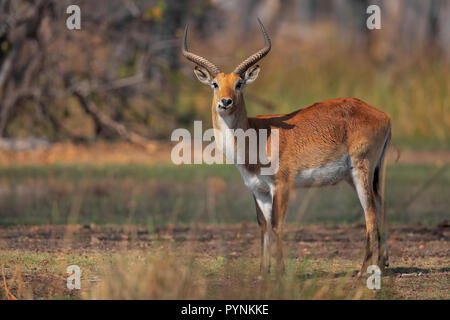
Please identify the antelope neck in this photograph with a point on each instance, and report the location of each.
(237, 119)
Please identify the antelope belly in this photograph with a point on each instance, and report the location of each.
(328, 174)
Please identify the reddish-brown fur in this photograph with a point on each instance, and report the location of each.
(312, 137)
(320, 144)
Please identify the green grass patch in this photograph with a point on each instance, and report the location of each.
(216, 194)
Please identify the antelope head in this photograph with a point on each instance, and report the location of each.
(227, 86)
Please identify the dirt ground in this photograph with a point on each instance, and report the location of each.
(420, 255)
(345, 241)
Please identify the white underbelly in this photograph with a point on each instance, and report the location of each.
(328, 174)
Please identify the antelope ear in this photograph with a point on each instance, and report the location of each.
(203, 75)
(251, 74)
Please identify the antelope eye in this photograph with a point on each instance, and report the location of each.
(215, 85)
(238, 85)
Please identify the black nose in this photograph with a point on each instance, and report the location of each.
(226, 102)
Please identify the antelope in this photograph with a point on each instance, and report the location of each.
(342, 139)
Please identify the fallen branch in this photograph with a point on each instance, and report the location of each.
(105, 121)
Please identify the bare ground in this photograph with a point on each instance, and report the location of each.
(233, 240)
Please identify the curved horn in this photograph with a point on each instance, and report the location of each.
(213, 70)
(247, 63)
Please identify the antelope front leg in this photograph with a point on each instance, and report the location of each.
(263, 205)
(280, 202)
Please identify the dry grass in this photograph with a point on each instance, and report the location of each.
(208, 262)
(174, 275)
(162, 275)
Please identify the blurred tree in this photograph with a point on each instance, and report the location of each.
(120, 75)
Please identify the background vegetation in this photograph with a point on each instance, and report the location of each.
(122, 76)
